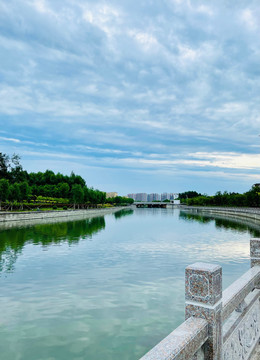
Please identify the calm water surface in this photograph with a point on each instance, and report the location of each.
(108, 287)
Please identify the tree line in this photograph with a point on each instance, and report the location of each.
(250, 198)
(18, 185)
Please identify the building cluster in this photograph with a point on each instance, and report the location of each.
(111, 194)
(153, 196)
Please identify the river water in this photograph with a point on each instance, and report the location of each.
(108, 287)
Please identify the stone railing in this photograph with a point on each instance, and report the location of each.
(218, 326)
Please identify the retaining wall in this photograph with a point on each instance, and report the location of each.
(34, 215)
(252, 213)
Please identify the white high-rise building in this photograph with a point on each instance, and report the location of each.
(141, 197)
(132, 196)
(154, 197)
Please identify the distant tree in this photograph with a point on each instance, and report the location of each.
(4, 191)
(24, 191)
(188, 195)
(63, 190)
(253, 197)
(86, 194)
(4, 164)
(14, 194)
(77, 194)
(10, 168)
(49, 177)
(16, 170)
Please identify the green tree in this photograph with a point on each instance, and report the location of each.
(253, 197)
(77, 194)
(4, 191)
(24, 191)
(14, 194)
(4, 164)
(63, 190)
(16, 170)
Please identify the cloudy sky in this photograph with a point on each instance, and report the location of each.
(135, 96)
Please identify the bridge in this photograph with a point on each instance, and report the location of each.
(156, 204)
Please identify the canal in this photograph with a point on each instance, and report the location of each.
(107, 287)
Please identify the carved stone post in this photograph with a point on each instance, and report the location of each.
(255, 252)
(203, 294)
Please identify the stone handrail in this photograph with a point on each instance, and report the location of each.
(184, 341)
(236, 292)
(230, 326)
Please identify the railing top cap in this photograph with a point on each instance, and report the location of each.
(203, 267)
(182, 343)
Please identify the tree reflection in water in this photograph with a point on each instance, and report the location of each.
(122, 213)
(239, 224)
(13, 240)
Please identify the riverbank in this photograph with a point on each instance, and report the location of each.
(56, 215)
(250, 213)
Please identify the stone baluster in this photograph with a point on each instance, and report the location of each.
(255, 252)
(203, 294)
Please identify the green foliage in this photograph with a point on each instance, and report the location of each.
(77, 194)
(189, 195)
(249, 199)
(15, 193)
(24, 190)
(43, 187)
(4, 164)
(119, 200)
(4, 189)
(50, 200)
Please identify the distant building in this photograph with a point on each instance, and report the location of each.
(154, 197)
(131, 196)
(141, 197)
(165, 196)
(111, 194)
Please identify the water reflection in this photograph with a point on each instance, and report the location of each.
(125, 212)
(13, 241)
(103, 299)
(242, 226)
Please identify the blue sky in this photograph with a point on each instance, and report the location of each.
(135, 96)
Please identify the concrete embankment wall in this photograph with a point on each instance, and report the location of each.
(250, 213)
(59, 214)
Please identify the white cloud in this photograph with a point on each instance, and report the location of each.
(10, 139)
(205, 10)
(166, 86)
(43, 7)
(102, 16)
(249, 19)
(145, 40)
(187, 53)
